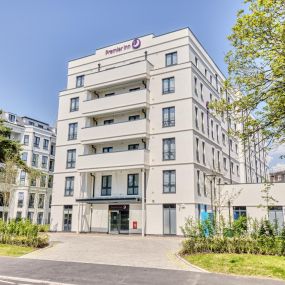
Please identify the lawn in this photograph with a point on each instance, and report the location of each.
(14, 250)
(241, 264)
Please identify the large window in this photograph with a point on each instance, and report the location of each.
(109, 122)
(71, 158)
(169, 181)
(44, 162)
(74, 104)
(24, 156)
(43, 181)
(72, 131)
(69, 186)
(26, 139)
(35, 160)
(107, 149)
(169, 151)
(197, 150)
(168, 117)
(134, 117)
(46, 144)
(41, 201)
(20, 199)
(32, 200)
(171, 58)
(22, 178)
(168, 85)
(239, 211)
(133, 146)
(198, 183)
(203, 153)
(106, 187)
(79, 81)
(196, 118)
(133, 184)
(37, 141)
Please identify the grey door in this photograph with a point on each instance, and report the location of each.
(169, 219)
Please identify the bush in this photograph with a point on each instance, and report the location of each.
(23, 233)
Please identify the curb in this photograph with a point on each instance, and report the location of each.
(190, 264)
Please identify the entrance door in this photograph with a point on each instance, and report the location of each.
(169, 219)
(114, 222)
(119, 219)
(67, 218)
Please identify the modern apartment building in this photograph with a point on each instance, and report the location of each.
(31, 198)
(138, 149)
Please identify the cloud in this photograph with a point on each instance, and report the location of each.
(277, 150)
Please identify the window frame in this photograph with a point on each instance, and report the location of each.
(107, 188)
(169, 88)
(169, 142)
(171, 54)
(134, 188)
(71, 163)
(170, 185)
(168, 123)
(69, 181)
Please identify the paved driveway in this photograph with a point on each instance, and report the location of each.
(152, 252)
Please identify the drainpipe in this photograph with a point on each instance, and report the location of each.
(144, 84)
(95, 92)
(144, 112)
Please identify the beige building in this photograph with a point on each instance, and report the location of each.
(31, 199)
(138, 150)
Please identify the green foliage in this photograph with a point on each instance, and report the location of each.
(22, 232)
(256, 66)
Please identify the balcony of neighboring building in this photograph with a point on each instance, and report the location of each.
(115, 127)
(122, 98)
(118, 74)
(130, 154)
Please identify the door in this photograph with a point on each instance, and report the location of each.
(114, 221)
(169, 219)
(67, 218)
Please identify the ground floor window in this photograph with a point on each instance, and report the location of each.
(30, 216)
(276, 216)
(239, 211)
(19, 215)
(169, 219)
(40, 218)
(67, 218)
(3, 216)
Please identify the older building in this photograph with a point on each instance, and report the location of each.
(277, 175)
(138, 150)
(31, 199)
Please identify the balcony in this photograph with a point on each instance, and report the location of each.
(117, 131)
(119, 74)
(112, 104)
(114, 160)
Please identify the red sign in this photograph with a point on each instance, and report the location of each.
(135, 225)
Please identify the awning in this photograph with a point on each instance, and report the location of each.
(110, 200)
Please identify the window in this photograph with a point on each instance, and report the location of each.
(169, 149)
(41, 201)
(196, 61)
(201, 91)
(198, 183)
(12, 118)
(22, 177)
(51, 165)
(20, 199)
(224, 138)
(107, 149)
(168, 85)
(44, 162)
(171, 59)
(217, 133)
(168, 117)
(24, 156)
(46, 144)
(40, 126)
(231, 144)
(72, 131)
(74, 104)
(52, 149)
(206, 72)
(134, 117)
(69, 186)
(169, 181)
(134, 89)
(211, 79)
(236, 149)
(205, 184)
(197, 150)
(239, 211)
(212, 129)
(133, 146)
(237, 168)
(32, 200)
(33, 182)
(31, 123)
(133, 184)
(196, 118)
(50, 181)
(106, 186)
(26, 139)
(219, 165)
(43, 181)
(213, 157)
(225, 163)
(71, 158)
(40, 218)
(108, 122)
(37, 141)
(50, 201)
(18, 215)
(79, 81)
(232, 167)
(195, 86)
(202, 122)
(30, 216)
(204, 153)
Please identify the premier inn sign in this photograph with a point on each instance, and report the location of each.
(135, 44)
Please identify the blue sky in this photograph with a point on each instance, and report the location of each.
(38, 38)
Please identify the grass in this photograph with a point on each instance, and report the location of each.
(14, 250)
(241, 264)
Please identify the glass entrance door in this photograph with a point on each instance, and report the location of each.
(119, 220)
(67, 218)
(169, 219)
(114, 222)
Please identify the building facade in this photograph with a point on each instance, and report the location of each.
(31, 198)
(277, 175)
(138, 150)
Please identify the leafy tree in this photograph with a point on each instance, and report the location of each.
(256, 66)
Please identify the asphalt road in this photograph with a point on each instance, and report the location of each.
(22, 271)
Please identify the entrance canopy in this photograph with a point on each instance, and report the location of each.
(108, 200)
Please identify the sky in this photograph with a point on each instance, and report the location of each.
(38, 38)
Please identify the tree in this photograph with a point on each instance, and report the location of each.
(256, 66)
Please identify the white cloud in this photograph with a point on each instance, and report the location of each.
(278, 150)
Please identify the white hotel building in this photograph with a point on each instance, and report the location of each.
(137, 149)
(31, 199)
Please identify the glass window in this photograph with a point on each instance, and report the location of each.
(20, 199)
(50, 181)
(134, 117)
(107, 149)
(71, 158)
(37, 141)
(12, 118)
(201, 91)
(133, 146)
(239, 211)
(46, 144)
(24, 156)
(171, 58)
(35, 160)
(197, 150)
(203, 153)
(205, 184)
(26, 139)
(69, 186)
(22, 177)
(198, 183)
(44, 162)
(168, 117)
(196, 118)
(195, 86)
(40, 218)
(43, 181)
(169, 151)
(51, 165)
(202, 122)
(168, 85)
(32, 200)
(169, 181)
(106, 186)
(72, 131)
(52, 149)
(79, 81)
(74, 104)
(108, 122)
(41, 201)
(30, 216)
(133, 184)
